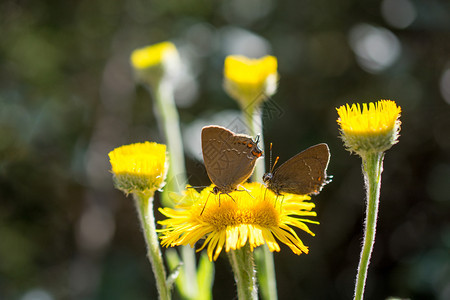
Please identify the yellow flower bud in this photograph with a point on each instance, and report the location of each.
(250, 81)
(140, 167)
(374, 128)
(151, 63)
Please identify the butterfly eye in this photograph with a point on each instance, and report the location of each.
(267, 177)
(216, 190)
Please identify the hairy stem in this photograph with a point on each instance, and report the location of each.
(241, 261)
(144, 205)
(372, 168)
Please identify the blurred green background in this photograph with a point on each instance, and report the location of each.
(67, 98)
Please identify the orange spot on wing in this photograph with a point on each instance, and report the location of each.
(257, 154)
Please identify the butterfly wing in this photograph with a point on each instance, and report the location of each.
(229, 158)
(303, 174)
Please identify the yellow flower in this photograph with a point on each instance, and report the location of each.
(374, 128)
(250, 81)
(256, 217)
(139, 167)
(152, 55)
(153, 62)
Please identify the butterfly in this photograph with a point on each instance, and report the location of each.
(303, 174)
(229, 157)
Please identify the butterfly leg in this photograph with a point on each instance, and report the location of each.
(265, 191)
(246, 190)
(276, 201)
(230, 197)
(281, 202)
(204, 206)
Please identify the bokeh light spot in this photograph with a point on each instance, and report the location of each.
(398, 13)
(444, 85)
(376, 48)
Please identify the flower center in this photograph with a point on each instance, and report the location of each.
(231, 213)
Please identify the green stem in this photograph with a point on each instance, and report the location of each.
(190, 279)
(241, 261)
(266, 265)
(269, 289)
(170, 122)
(253, 120)
(144, 205)
(372, 168)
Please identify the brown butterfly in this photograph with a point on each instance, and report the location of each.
(229, 157)
(303, 174)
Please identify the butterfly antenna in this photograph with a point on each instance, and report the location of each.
(274, 164)
(270, 158)
(272, 167)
